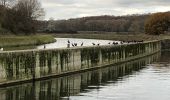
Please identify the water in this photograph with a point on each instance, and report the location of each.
(62, 43)
(143, 79)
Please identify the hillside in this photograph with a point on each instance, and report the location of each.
(129, 23)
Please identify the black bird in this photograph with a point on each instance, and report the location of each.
(93, 43)
(98, 44)
(75, 44)
(121, 42)
(44, 46)
(82, 44)
(72, 44)
(109, 43)
(68, 41)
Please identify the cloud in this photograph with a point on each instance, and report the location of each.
(64, 9)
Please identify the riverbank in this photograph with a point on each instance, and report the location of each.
(15, 41)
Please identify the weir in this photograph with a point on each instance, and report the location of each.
(31, 65)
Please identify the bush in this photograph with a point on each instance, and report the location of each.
(157, 23)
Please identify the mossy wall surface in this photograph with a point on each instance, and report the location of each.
(28, 65)
(56, 88)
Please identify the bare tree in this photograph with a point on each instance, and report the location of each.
(3, 2)
(27, 12)
(30, 8)
(8, 3)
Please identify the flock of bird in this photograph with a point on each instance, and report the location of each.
(74, 44)
(110, 43)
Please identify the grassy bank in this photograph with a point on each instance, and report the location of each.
(124, 37)
(32, 40)
(12, 40)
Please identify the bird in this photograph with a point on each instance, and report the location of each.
(93, 43)
(98, 44)
(109, 43)
(82, 44)
(121, 42)
(72, 44)
(75, 44)
(44, 46)
(2, 49)
(68, 41)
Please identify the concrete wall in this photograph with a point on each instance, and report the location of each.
(56, 88)
(17, 66)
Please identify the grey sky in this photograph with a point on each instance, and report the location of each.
(65, 9)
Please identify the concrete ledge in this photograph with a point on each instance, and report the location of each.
(17, 82)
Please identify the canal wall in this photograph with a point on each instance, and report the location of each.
(31, 65)
(56, 88)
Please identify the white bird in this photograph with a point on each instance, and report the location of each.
(2, 49)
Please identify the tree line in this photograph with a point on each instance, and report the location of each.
(20, 16)
(25, 17)
(144, 23)
(129, 23)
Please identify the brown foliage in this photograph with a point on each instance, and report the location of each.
(157, 23)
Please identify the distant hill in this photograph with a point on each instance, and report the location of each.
(128, 23)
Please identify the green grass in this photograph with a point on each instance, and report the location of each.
(32, 40)
(13, 40)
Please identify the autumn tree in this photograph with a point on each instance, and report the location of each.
(157, 23)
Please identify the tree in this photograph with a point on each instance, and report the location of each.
(135, 27)
(157, 23)
(8, 3)
(3, 2)
(22, 17)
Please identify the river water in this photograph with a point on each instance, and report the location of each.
(142, 79)
(63, 43)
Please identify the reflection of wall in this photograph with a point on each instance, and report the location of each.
(54, 89)
(165, 44)
(17, 66)
(165, 57)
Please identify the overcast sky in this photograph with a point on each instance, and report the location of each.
(65, 9)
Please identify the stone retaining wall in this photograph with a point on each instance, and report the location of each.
(29, 65)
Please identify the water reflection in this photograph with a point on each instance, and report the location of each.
(78, 86)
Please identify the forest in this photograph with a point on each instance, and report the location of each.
(26, 17)
(129, 23)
